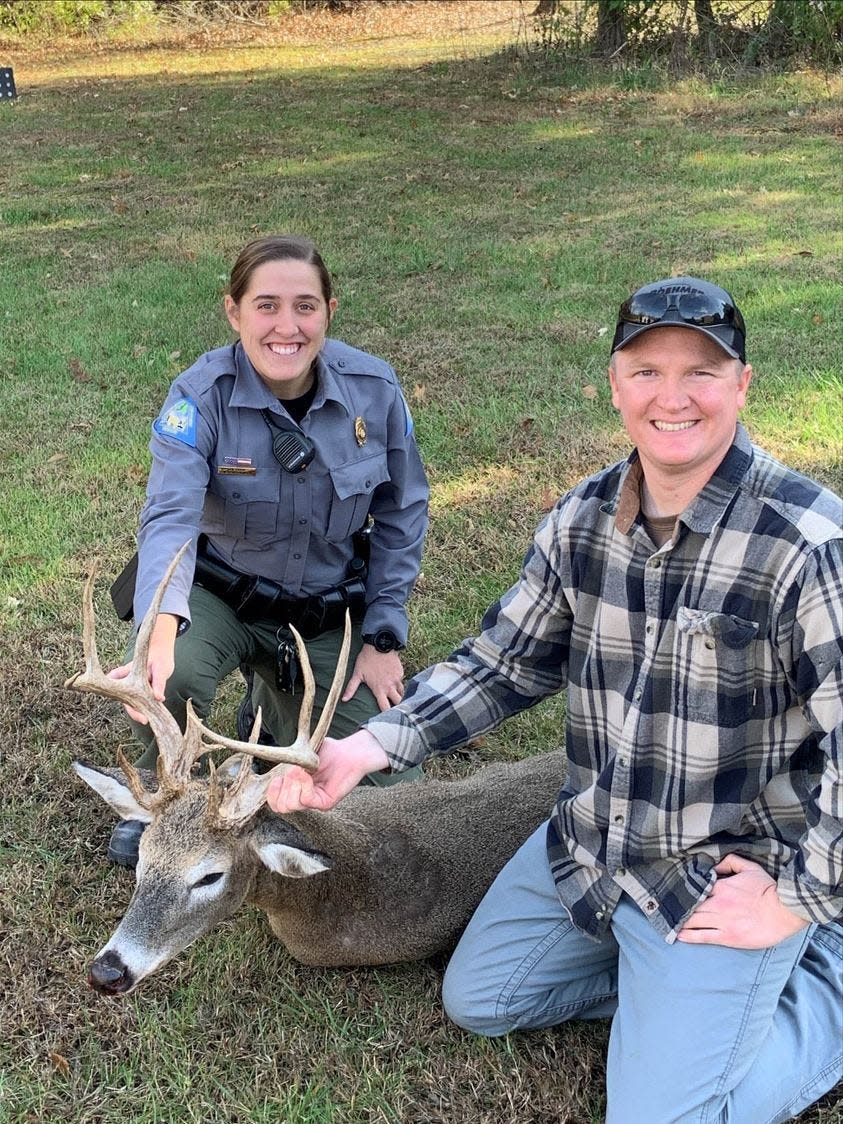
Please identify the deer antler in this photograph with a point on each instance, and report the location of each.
(176, 759)
(234, 806)
(229, 806)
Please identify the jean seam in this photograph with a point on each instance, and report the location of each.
(519, 974)
(805, 1090)
(750, 999)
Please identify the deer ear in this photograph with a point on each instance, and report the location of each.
(114, 791)
(292, 862)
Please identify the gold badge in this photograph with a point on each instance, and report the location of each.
(360, 430)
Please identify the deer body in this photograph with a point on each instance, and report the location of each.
(388, 875)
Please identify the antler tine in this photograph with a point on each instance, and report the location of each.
(232, 807)
(327, 715)
(295, 754)
(134, 689)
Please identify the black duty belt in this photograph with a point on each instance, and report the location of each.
(254, 598)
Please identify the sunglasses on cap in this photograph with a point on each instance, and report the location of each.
(684, 301)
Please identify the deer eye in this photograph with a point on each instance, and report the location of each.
(208, 880)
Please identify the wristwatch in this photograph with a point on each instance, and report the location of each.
(383, 641)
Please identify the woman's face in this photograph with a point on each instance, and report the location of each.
(282, 319)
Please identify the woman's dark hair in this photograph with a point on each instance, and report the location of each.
(276, 247)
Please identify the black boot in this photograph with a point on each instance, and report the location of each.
(246, 712)
(124, 841)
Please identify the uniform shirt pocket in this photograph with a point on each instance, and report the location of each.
(352, 486)
(242, 507)
(717, 655)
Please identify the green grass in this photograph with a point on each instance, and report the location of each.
(484, 216)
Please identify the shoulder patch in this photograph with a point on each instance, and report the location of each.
(178, 421)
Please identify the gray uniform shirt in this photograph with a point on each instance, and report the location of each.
(214, 473)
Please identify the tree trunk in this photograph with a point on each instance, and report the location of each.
(707, 28)
(611, 27)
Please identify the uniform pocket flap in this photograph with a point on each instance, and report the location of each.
(359, 477)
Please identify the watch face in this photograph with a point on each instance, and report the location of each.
(386, 641)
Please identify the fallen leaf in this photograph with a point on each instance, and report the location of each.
(817, 319)
(804, 254)
(174, 355)
(61, 1063)
(602, 331)
(419, 392)
(57, 458)
(78, 371)
(589, 392)
(548, 500)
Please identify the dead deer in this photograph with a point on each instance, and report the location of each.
(388, 875)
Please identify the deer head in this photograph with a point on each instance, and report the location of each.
(208, 837)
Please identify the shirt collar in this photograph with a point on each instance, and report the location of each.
(251, 391)
(708, 507)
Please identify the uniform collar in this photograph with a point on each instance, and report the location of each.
(708, 507)
(251, 391)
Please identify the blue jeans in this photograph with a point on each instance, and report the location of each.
(699, 1033)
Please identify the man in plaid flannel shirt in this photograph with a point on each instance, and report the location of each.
(688, 881)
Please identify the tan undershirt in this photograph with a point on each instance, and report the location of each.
(659, 527)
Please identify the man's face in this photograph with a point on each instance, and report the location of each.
(679, 395)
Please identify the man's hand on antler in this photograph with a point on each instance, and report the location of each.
(342, 765)
(160, 663)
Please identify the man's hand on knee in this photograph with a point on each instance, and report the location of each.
(742, 911)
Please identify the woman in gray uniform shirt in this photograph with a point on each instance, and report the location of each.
(271, 456)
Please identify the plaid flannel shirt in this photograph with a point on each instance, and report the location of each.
(704, 687)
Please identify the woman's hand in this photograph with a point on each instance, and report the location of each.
(162, 644)
(742, 911)
(383, 674)
(342, 765)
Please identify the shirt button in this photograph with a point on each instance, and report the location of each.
(649, 629)
(655, 563)
(368, 484)
(709, 642)
(650, 906)
(340, 362)
(600, 914)
(296, 556)
(623, 762)
(620, 872)
(618, 819)
(235, 495)
(639, 693)
(301, 480)
(302, 521)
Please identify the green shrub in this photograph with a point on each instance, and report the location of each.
(68, 17)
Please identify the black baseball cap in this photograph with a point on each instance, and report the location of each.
(688, 302)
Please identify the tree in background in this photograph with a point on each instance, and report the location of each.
(684, 31)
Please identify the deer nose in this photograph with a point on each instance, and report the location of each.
(108, 975)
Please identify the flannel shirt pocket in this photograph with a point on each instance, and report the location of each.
(718, 655)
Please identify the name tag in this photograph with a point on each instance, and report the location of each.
(236, 470)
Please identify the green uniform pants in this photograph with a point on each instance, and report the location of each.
(217, 642)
